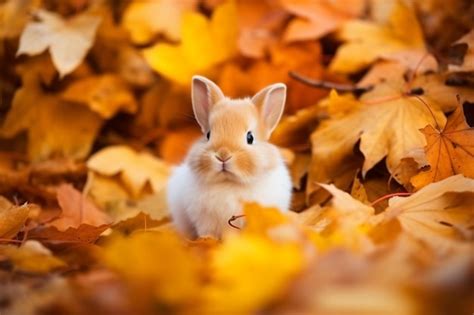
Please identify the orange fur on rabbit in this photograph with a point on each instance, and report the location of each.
(232, 163)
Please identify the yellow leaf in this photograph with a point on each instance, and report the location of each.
(54, 127)
(145, 19)
(135, 169)
(31, 257)
(105, 95)
(68, 40)
(204, 44)
(242, 262)
(367, 41)
(12, 218)
(158, 262)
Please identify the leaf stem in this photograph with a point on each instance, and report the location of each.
(390, 196)
(233, 218)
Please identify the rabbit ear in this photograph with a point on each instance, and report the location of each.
(204, 94)
(271, 101)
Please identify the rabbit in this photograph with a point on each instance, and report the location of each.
(232, 163)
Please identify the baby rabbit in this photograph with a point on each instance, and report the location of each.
(232, 163)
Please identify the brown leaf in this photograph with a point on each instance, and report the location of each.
(85, 233)
(77, 210)
(449, 151)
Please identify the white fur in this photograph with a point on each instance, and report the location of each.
(201, 209)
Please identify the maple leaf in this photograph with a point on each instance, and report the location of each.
(366, 41)
(436, 212)
(467, 45)
(77, 210)
(145, 19)
(105, 95)
(12, 218)
(14, 15)
(135, 169)
(318, 18)
(54, 127)
(387, 122)
(68, 40)
(449, 152)
(204, 44)
(31, 257)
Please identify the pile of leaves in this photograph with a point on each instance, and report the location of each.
(378, 135)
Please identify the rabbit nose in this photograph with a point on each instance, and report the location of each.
(223, 159)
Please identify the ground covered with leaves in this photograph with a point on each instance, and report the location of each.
(378, 135)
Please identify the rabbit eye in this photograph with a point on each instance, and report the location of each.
(249, 137)
(208, 135)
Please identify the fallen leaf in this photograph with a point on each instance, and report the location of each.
(436, 212)
(85, 233)
(146, 19)
(160, 263)
(318, 18)
(449, 151)
(77, 209)
(366, 41)
(204, 44)
(54, 127)
(12, 218)
(68, 40)
(243, 261)
(134, 169)
(376, 121)
(31, 257)
(106, 95)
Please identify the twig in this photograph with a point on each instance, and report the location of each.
(233, 218)
(329, 85)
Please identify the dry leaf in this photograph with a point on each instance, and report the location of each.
(437, 212)
(366, 41)
(376, 120)
(68, 40)
(77, 209)
(204, 44)
(135, 169)
(449, 152)
(105, 95)
(54, 127)
(83, 234)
